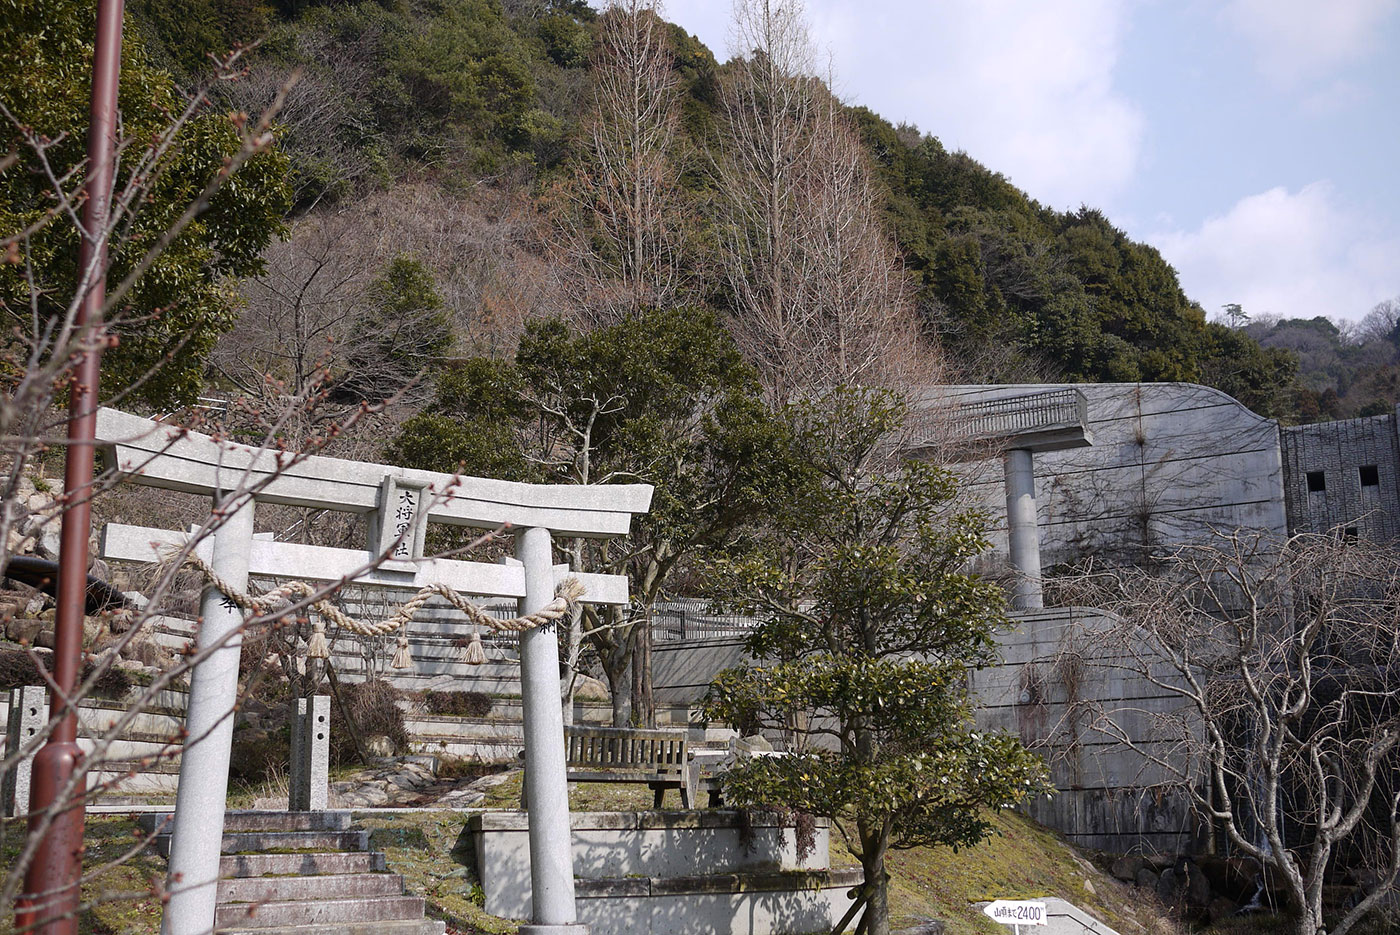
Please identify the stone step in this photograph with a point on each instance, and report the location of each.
(116, 802)
(278, 915)
(250, 841)
(395, 927)
(442, 682)
(463, 728)
(133, 749)
(134, 777)
(430, 666)
(323, 886)
(502, 750)
(305, 864)
(98, 719)
(258, 820)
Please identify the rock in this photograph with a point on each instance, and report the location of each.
(1146, 878)
(464, 797)
(755, 743)
(590, 689)
(1197, 886)
(1126, 867)
(47, 546)
(927, 927)
(24, 629)
(379, 745)
(1220, 908)
(132, 665)
(1167, 885)
(1089, 887)
(94, 628)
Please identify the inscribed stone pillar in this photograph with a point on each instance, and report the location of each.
(547, 790)
(311, 754)
(1023, 530)
(197, 835)
(28, 715)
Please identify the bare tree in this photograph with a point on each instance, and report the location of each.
(820, 298)
(1278, 664)
(621, 233)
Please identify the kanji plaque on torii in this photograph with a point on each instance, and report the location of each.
(401, 503)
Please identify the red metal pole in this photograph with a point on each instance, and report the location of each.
(51, 899)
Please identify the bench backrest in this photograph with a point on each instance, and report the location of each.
(622, 748)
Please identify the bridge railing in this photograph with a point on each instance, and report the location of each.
(1010, 415)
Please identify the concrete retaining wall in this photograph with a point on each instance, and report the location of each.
(675, 873)
(1168, 462)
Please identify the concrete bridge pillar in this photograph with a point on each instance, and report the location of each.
(1023, 530)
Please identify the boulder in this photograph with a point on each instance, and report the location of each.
(24, 629)
(1197, 886)
(1126, 867)
(1146, 878)
(1168, 887)
(1220, 908)
(590, 689)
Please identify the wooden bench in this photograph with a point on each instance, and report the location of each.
(619, 754)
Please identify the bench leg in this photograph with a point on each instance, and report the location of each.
(658, 796)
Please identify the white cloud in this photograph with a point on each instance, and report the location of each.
(1294, 254)
(1025, 87)
(1298, 39)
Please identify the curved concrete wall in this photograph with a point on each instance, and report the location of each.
(1168, 462)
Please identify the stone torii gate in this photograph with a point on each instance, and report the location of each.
(400, 503)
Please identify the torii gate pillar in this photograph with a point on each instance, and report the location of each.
(547, 788)
(196, 840)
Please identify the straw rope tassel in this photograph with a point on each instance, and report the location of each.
(317, 647)
(474, 653)
(403, 659)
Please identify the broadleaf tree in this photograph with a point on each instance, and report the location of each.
(662, 397)
(173, 148)
(868, 620)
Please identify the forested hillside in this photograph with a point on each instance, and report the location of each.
(453, 135)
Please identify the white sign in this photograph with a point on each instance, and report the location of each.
(1016, 912)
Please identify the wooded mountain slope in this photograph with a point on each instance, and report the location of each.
(475, 107)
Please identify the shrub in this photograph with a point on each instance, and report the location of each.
(18, 669)
(457, 704)
(373, 707)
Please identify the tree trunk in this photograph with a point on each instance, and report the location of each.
(874, 845)
(643, 653)
(620, 691)
(877, 906)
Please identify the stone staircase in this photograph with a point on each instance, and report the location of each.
(305, 873)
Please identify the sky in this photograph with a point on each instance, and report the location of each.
(1256, 143)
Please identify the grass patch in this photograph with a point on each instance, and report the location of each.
(121, 898)
(1022, 860)
(586, 796)
(431, 852)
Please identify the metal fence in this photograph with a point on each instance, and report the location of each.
(674, 621)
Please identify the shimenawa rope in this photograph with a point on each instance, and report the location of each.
(566, 598)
